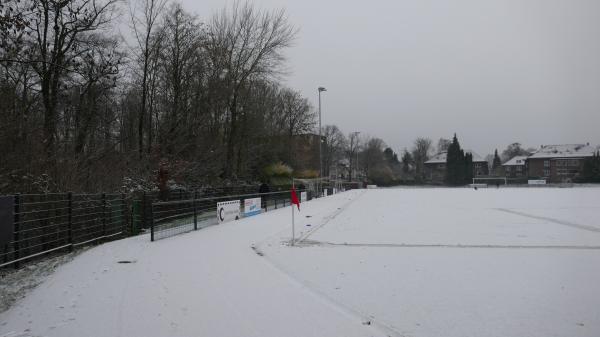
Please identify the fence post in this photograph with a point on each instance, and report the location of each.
(103, 215)
(123, 213)
(17, 215)
(142, 215)
(195, 210)
(70, 221)
(151, 222)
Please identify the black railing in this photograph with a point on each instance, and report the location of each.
(170, 218)
(44, 223)
(34, 225)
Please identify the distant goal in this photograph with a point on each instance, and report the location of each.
(485, 181)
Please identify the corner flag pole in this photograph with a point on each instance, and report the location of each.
(293, 224)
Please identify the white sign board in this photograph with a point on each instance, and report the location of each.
(537, 182)
(228, 210)
(303, 196)
(335, 191)
(252, 206)
(371, 186)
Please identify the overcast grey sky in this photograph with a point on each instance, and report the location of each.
(494, 72)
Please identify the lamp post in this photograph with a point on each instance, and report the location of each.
(356, 133)
(320, 89)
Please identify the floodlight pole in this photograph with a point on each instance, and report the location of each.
(356, 163)
(320, 89)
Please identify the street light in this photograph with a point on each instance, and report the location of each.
(356, 133)
(320, 89)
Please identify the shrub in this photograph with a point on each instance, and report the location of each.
(278, 170)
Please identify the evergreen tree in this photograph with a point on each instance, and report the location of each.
(496, 163)
(468, 167)
(591, 169)
(455, 163)
(407, 161)
(390, 156)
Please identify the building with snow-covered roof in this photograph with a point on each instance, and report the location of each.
(435, 168)
(559, 163)
(516, 167)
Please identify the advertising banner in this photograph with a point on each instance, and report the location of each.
(228, 210)
(303, 196)
(252, 206)
(537, 182)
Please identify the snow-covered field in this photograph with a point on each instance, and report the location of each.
(388, 262)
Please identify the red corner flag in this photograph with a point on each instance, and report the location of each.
(295, 197)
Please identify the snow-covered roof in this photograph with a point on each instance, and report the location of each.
(441, 157)
(476, 157)
(516, 161)
(564, 151)
(438, 158)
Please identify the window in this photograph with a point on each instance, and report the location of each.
(546, 172)
(546, 163)
(519, 168)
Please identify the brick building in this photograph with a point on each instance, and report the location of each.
(558, 163)
(435, 168)
(516, 167)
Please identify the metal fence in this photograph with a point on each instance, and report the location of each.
(33, 225)
(44, 223)
(170, 218)
(142, 202)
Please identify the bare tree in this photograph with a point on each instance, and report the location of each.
(420, 154)
(333, 147)
(144, 17)
(181, 45)
(372, 155)
(443, 145)
(513, 150)
(245, 43)
(57, 34)
(296, 117)
(352, 154)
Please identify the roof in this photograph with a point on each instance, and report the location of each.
(476, 158)
(516, 161)
(564, 151)
(441, 157)
(438, 158)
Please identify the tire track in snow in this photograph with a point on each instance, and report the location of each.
(556, 221)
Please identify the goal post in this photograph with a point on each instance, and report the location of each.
(490, 181)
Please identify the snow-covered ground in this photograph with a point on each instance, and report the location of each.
(389, 262)
(459, 262)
